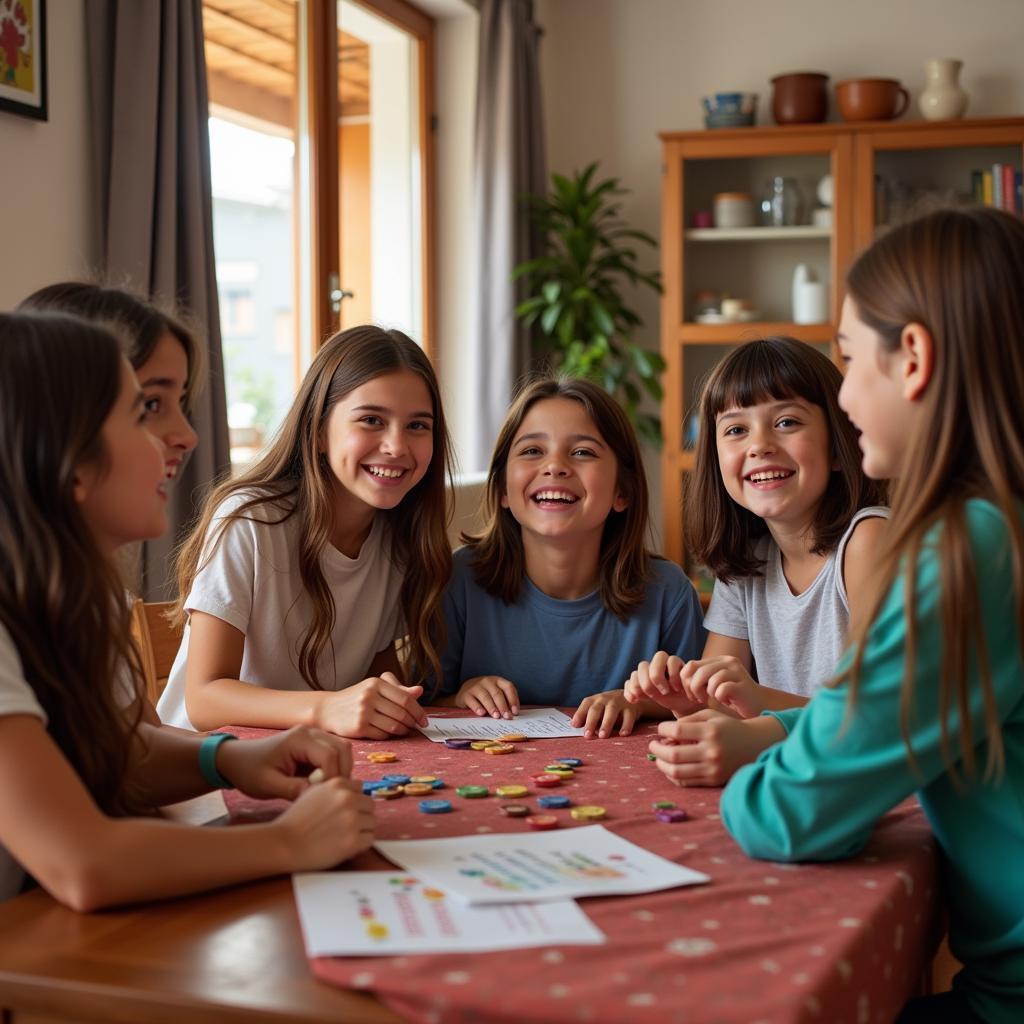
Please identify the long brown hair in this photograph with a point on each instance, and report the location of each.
(959, 274)
(61, 599)
(292, 479)
(499, 562)
(721, 533)
(137, 322)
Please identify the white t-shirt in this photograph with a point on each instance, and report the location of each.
(251, 581)
(796, 639)
(16, 698)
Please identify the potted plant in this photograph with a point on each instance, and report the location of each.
(578, 317)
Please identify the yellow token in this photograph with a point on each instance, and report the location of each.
(387, 793)
(417, 789)
(428, 779)
(512, 737)
(511, 791)
(381, 757)
(481, 744)
(499, 748)
(588, 813)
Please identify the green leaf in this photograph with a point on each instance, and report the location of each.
(550, 317)
(551, 291)
(602, 319)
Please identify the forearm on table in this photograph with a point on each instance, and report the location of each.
(221, 702)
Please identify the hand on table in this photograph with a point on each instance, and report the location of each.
(660, 680)
(329, 823)
(706, 748)
(278, 766)
(489, 695)
(598, 713)
(375, 709)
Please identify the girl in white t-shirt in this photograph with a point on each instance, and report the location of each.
(304, 571)
(81, 776)
(781, 512)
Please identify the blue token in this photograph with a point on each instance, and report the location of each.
(438, 783)
(553, 802)
(435, 806)
(572, 762)
(396, 780)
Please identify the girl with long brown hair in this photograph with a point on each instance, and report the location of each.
(930, 696)
(81, 776)
(303, 572)
(557, 598)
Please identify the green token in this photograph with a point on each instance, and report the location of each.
(472, 792)
(662, 805)
(651, 757)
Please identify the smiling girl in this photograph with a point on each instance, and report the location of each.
(781, 512)
(303, 572)
(556, 600)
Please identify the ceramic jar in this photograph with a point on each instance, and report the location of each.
(800, 97)
(733, 210)
(782, 204)
(942, 99)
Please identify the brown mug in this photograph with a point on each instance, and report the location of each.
(800, 97)
(871, 99)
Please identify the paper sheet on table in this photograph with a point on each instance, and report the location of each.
(378, 913)
(537, 723)
(529, 867)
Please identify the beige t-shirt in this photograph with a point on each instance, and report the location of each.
(251, 581)
(16, 698)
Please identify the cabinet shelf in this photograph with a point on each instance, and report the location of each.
(790, 234)
(725, 334)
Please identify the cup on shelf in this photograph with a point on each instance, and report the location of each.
(822, 217)
(703, 219)
(733, 210)
(810, 297)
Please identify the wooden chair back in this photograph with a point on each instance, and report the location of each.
(158, 643)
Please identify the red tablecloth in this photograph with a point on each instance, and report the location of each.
(842, 943)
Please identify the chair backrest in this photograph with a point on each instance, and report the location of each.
(158, 643)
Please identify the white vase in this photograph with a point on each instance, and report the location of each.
(942, 99)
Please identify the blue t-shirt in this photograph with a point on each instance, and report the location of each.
(558, 652)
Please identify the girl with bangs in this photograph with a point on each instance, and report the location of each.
(930, 695)
(781, 512)
(559, 596)
(303, 573)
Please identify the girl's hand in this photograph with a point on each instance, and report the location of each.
(489, 695)
(725, 680)
(279, 765)
(374, 709)
(660, 680)
(598, 713)
(329, 823)
(706, 748)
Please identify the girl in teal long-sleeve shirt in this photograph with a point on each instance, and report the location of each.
(930, 696)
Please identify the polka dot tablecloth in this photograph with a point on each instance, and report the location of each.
(763, 943)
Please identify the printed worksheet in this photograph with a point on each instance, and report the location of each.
(378, 913)
(530, 867)
(537, 723)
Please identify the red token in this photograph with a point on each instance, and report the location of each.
(546, 779)
(542, 822)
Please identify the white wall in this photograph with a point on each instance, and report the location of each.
(616, 72)
(48, 207)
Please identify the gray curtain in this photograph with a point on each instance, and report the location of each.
(508, 163)
(148, 79)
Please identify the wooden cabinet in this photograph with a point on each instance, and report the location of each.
(882, 172)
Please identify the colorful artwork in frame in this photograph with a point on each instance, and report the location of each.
(23, 57)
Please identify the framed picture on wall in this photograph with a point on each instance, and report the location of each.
(23, 57)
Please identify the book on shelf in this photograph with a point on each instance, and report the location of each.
(999, 186)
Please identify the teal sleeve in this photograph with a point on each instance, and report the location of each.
(787, 717)
(817, 795)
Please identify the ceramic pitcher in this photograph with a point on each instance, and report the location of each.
(942, 98)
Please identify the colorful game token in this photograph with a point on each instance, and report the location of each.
(381, 757)
(554, 802)
(438, 784)
(481, 744)
(396, 780)
(513, 791)
(572, 762)
(670, 815)
(387, 793)
(500, 748)
(417, 788)
(547, 779)
(542, 822)
(663, 805)
(423, 778)
(514, 810)
(371, 784)
(588, 813)
(457, 743)
(435, 806)
(652, 757)
(512, 737)
(560, 769)
(473, 792)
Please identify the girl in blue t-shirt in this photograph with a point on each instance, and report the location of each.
(558, 598)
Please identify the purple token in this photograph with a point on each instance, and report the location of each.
(457, 744)
(670, 815)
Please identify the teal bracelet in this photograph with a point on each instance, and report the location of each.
(208, 759)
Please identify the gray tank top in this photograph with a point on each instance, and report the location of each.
(796, 639)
